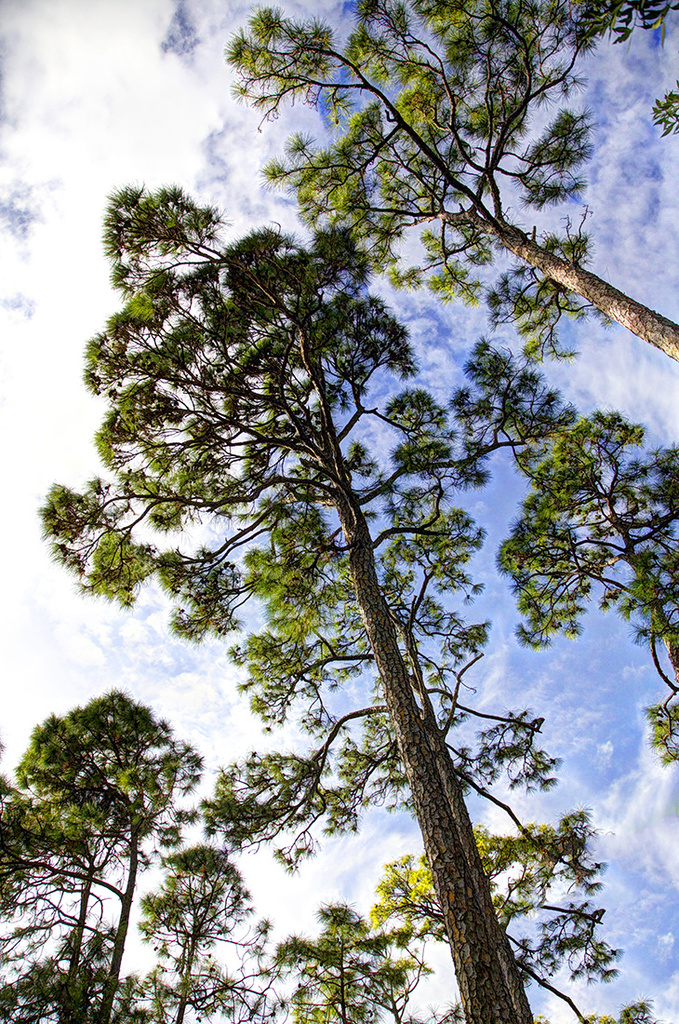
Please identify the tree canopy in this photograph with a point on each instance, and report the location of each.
(203, 905)
(602, 514)
(98, 793)
(99, 798)
(212, 961)
(447, 117)
(351, 973)
(272, 462)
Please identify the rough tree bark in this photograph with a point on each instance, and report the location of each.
(491, 988)
(648, 325)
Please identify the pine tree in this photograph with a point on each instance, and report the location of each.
(97, 794)
(431, 104)
(203, 903)
(350, 973)
(245, 383)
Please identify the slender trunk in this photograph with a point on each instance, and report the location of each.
(673, 652)
(343, 1005)
(185, 981)
(121, 934)
(490, 986)
(652, 327)
(179, 1019)
(74, 959)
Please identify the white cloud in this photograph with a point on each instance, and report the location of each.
(605, 752)
(665, 945)
(79, 648)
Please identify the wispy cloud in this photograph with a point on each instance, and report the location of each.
(181, 37)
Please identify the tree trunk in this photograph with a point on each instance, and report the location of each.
(70, 1007)
(490, 985)
(121, 934)
(673, 653)
(343, 1004)
(451, 784)
(185, 980)
(637, 318)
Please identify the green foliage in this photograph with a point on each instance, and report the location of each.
(350, 972)
(431, 108)
(621, 17)
(42, 990)
(98, 794)
(601, 516)
(240, 418)
(666, 112)
(618, 19)
(536, 305)
(406, 894)
(202, 904)
(637, 1013)
(173, 222)
(115, 765)
(506, 405)
(663, 719)
(263, 443)
(544, 877)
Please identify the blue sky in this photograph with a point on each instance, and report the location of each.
(94, 96)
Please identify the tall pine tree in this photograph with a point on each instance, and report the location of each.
(245, 383)
(432, 105)
(200, 910)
